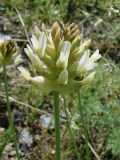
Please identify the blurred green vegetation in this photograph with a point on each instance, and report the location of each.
(101, 103)
(98, 19)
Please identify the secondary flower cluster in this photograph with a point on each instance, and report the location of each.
(8, 50)
(61, 58)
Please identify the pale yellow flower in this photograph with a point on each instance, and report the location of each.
(61, 59)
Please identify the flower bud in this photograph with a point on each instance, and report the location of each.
(43, 28)
(55, 27)
(50, 50)
(37, 32)
(73, 36)
(72, 25)
(74, 29)
(82, 48)
(57, 37)
(77, 40)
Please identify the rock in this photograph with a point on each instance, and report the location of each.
(47, 121)
(4, 37)
(26, 137)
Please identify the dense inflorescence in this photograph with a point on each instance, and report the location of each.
(61, 58)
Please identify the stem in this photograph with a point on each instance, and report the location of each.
(70, 131)
(57, 126)
(9, 112)
(84, 127)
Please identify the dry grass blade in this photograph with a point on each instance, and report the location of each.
(24, 104)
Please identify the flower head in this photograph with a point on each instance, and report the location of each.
(61, 58)
(8, 49)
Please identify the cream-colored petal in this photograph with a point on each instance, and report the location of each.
(42, 43)
(88, 79)
(84, 59)
(62, 61)
(37, 63)
(29, 48)
(95, 56)
(39, 80)
(63, 77)
(18, 59)
(42, 83)
(25, 73)
(90, 65)
(35, 42)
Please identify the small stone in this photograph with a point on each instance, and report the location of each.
(47, 121)
(26, 137)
